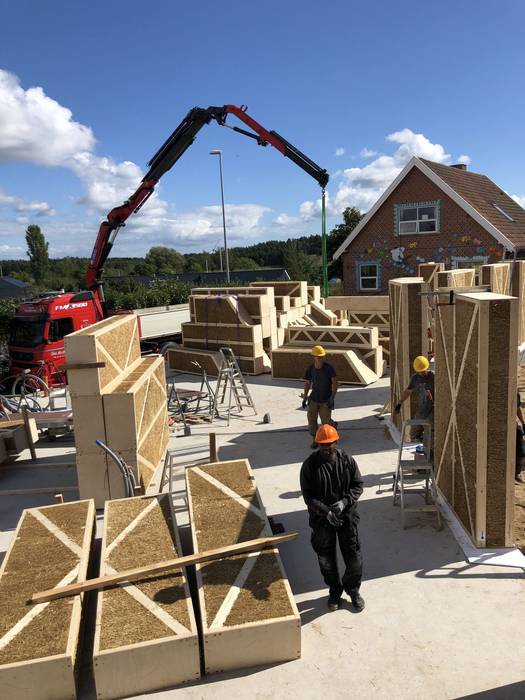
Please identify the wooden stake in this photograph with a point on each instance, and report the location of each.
(161, 567)
(213, 447)
(27, 429)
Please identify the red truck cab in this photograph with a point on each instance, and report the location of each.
(38, 330)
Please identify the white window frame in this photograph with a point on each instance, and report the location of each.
(417, 206)
(502, 211)
(472, 259)
(368, 277)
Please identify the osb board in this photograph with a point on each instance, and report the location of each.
(148, 624)
(291, 363)
(406, 339)
(321, 315)
(184, 359)
(518, 290)
(428, 271)
(497, 277)
(220, 309)
(452, 279)
(222, 332)
(248, 612)
(291, 288)
(39, 644)
(136, 417)
(351, 336)
(114, 341)
(358, 303)
(475, 413)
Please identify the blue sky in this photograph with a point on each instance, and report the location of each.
(89, 91)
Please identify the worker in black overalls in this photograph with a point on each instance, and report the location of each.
(331, 485)
(422, 386)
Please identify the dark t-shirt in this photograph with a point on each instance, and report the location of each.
(321, 382)
(423, 387)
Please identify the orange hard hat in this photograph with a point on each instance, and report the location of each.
(326, 434)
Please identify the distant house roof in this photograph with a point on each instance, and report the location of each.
(215, 277)
(481, 198)
(11, 287)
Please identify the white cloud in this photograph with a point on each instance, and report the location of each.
(286, 220)
(18, 204)
(339, 151)
(367, 153)
(35, 128)
(361, 187)
(519, 199)
(463, 159)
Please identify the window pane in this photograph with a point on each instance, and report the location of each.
(427, 213)
(425, 226)
(369, 283)
(368, 270)
(408, 214)
(408, 227)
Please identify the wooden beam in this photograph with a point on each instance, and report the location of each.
(178, 563)
(213, 447)
(29, 437)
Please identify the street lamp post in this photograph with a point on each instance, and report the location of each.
(216, 152)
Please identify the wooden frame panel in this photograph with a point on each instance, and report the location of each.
(219, 310)
(182, 359)
(497, 276)
(61, 534)
(518, 290)
(290, 288)
(455, 279)
(234, 589)
(155, 613)
(429, 273)
(348, 336)
(476, 356)
(292, 362)
(321, 315)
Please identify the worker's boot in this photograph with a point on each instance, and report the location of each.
(334, 603)
(357, 602)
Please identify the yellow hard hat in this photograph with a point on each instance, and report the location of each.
(318, 351)
(421, 364)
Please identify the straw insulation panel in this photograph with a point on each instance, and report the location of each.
(39, 644)
(187, 360)
(475, 413)
(248, 613)
(292, 362)
(146, 637)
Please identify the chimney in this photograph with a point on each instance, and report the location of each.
(460, 166)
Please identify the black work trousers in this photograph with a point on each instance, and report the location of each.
(324, 537)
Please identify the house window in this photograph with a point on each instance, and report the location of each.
(368, 275)
(502, 211)
(59, 328)
(419, 217)
(468, 263)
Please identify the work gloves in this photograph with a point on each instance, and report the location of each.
(339, 506)
(305, 402)
(397, 408)
(333, 519)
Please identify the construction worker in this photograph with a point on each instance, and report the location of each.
(520, 451)
(321, 377)
(331, 485)
(422, 385)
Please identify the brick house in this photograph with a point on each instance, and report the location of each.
(431, 212)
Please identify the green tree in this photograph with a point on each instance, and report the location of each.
(164, 261)
(37, 252)
(337, 236)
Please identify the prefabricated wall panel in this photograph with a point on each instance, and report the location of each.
(358, 304)
(497, 276)
(114, 341)
(349, 336)
(475, 413)
(235, 291)
(314, 293)
(220, 309)
(292, 362)
(260, 308)
(136, 418)
(407, 339)
(221, 333)
(429, 273)
(185, 359)
(248, 613)
(282, 303)
(39, 644)
(146, 636)
(518, 290)
(454, 279)
(292, 288)
(239, 349)
(321, 315)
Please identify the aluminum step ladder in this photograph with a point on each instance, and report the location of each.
(411, 472)
(231, 386)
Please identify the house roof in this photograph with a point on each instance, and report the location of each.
(474, 193)
(11, 287)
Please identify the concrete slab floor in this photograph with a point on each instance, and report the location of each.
(433, 627)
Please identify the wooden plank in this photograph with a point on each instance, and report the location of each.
(40, 645)
(140, 626)
(142, 572)
(357, 303)
(292, 362)
(248, 613)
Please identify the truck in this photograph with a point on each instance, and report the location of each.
(39, 326)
